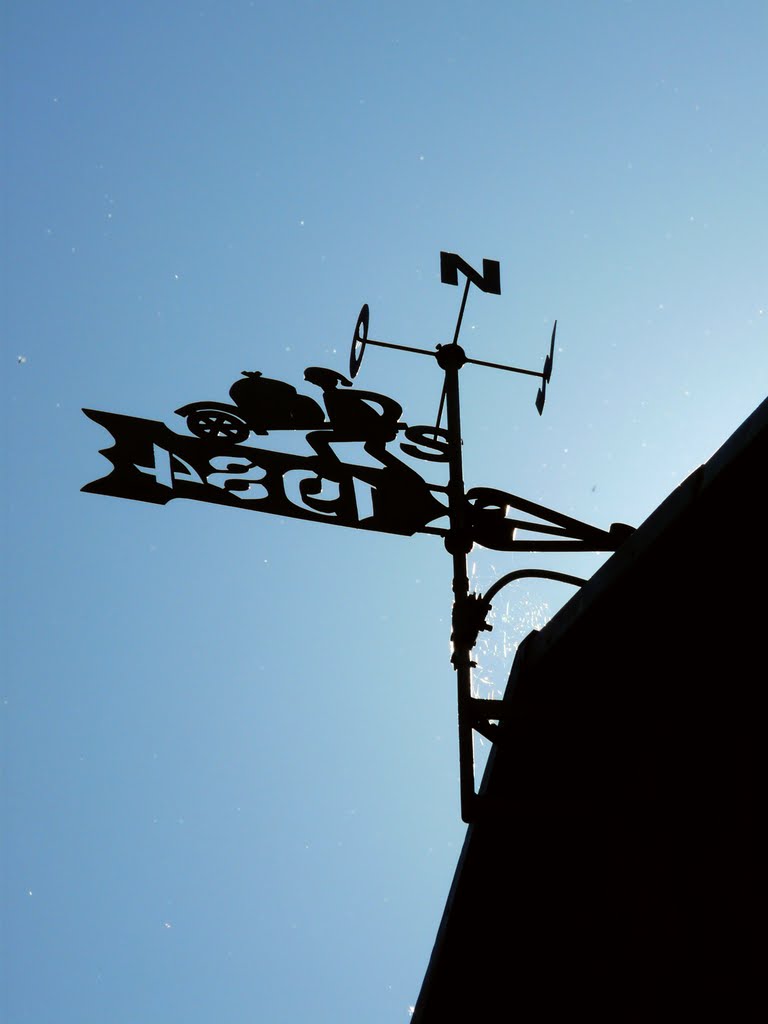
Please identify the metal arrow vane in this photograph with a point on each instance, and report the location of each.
(151, 462)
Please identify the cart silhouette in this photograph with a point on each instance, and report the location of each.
(261, 404)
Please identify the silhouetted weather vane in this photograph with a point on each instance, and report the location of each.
(153, 463)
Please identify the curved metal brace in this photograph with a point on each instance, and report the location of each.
(471, 619)
(477, 713)
(518, 574)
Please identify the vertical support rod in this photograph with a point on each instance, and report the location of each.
(451, 358)
(461, 653)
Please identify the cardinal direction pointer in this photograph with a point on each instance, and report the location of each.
(451, 265)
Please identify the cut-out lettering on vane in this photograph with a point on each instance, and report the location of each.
(152, 463)
(434, 438)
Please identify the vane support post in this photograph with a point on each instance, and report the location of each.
(459, 543)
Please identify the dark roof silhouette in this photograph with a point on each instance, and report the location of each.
(613, 872)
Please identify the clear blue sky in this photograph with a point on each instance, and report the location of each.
(230, 770)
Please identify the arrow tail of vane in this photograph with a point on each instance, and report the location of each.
(133, 473)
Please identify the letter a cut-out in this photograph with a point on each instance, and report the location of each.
(489, 281)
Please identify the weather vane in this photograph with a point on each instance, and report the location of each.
(213, 463)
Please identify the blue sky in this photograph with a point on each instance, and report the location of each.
(230, 770)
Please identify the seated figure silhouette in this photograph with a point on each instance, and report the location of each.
(402, 501)
(352, 415)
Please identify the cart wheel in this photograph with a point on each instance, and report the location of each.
(359, 338)
(214, 423)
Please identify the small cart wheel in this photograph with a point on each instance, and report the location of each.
(359, 339)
